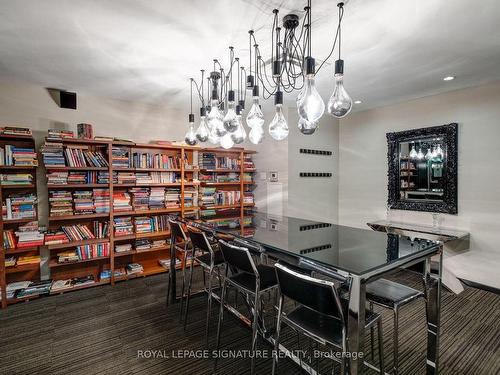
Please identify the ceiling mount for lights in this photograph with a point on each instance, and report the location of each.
(290, 21)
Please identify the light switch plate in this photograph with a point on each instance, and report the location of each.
(273, 176)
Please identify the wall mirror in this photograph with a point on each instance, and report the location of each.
(423, 169)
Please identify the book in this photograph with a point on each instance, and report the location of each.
(15, 130)
(85, 131)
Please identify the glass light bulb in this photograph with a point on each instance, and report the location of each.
(239, 135)
(226, 141)
(434, 152)
(310, 105)
(256, 135)
(278, 128)
(202, 132)
(255, 116)
(215, 119)
(307, 127)
(413, 152)
(190, 137)
(439, 151)
(428, 155)
(230, 123)
(420, 154)
(340, 103)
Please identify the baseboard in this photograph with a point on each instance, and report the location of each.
(481, 286)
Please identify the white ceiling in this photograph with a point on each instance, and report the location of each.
(394, 50)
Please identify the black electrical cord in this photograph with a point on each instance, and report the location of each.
(341, 16)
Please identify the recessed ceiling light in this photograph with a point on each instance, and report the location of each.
(358, 102)
(449, 78)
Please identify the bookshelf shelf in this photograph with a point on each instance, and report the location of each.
(19, 167)
(147, 212)
(77, 243)
(22, 268)
(19, 221)
(19, 186)
(76, 217)
(134, 252)
(77, 186)
(54, 168)
(54, 263)
(21, 250)
(80, 287)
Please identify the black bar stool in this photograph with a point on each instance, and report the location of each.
(249, 278)
(319, 313)
(209, 260)
(391, 295)
(177, 231)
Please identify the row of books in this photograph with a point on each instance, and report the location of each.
(16, 179)
(83, 177)
(81, 156)
(25, 289)
(125, 226)
(79, 202)
(84, 252)
(60, 134)
(19, 206)
(22, 260)
(149, 198)
(17, 156)
(215, 177)
(130, 269)
(15, 130)
(210, 160)
(123, 157)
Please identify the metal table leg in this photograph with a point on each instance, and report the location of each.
(172, 293)
(356, 325)
(432, 286)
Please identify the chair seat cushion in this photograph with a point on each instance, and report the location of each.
(389, 293)
(267, 277)
(327, 328)
(205, 258)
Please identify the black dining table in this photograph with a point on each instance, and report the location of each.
(359, 255)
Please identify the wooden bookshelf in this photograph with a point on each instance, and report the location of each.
(235, 165)
(29, 272)
(186, 175)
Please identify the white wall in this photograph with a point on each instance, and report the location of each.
(363, 170)
(314, 198)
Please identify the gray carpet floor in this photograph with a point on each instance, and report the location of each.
(104, 330)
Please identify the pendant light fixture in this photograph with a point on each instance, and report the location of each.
(190, 137)
(340, 103)
(215, 119)
(230, 123)
(310, 105)
(292, 69)
(278, 128)
(413, 152)
(239, 135)
(202, 132)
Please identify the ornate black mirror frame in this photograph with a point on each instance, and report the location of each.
(448, 205)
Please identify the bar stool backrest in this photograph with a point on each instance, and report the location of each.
(200, 241)
(176, 230)
(238, 257)
(315, 294)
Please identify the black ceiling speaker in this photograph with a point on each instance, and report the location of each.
(63, 98)
(67, 99)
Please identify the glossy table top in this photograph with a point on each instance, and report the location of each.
(357, 251)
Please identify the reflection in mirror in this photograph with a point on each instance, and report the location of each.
(421, 169)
